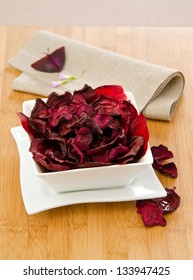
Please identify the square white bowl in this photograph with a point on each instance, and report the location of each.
(93, 177)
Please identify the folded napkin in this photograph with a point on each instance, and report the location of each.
(156, 89)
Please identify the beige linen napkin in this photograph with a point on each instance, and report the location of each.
(156, 89)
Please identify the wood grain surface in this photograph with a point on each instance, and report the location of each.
(100, 230)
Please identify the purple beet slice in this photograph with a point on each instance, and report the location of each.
(152, 215)
(166, 204)
(160, 155)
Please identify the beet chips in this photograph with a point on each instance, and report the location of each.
(89, 128)
(161, 154)
(153, 210)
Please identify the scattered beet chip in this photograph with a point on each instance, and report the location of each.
(166, 204)
(160, 155)
(52, 62)
(169, 169)
(91, 127)
(161, 152)
(169, 203)
(152, 215)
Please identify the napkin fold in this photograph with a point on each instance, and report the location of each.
(157, 89)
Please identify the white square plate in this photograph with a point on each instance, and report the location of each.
(39, 196)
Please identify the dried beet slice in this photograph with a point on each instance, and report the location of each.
(53, 166)
(139, 128)
(49, 155)
(161, 152)
(87, 93)
(56, 100)
(107, 105)
(169, 203)
(117, 152)
(152, 215)
(25, 124)
(130, 112)
(106, 146)
(101, 157)
(40, 110)
(134, 148)
(59, 113)
(61, 141)
(38, 125)
(39, 146)
(103, 120)
(87, 122)
(113, 91)
(77, 153)
(166, 204)
(84, 138)
(169, 169)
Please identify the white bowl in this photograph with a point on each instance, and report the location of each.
(95, 177)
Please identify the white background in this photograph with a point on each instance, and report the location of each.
(98, 13)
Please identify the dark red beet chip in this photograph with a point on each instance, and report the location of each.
(160, 155)
(117, 152)
(84, 138)
(152, 215)
(25, 123)
(40, 110)
(102, 120)
(161, 152)
(169, 203)
(166, 204)
(113, 91)
(139, 128)
(57, 100)
(169, 169)
(87, 93)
